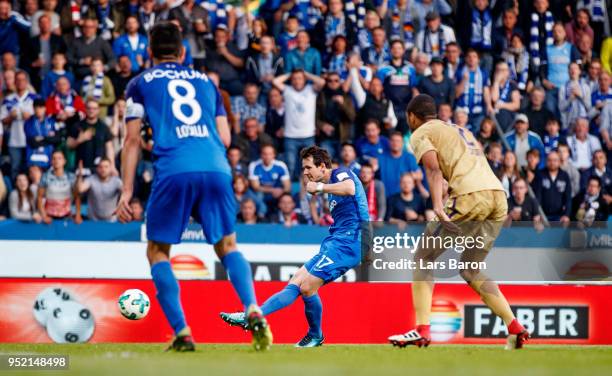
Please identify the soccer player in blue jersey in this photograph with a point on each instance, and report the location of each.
(192, 176)
(340, 250)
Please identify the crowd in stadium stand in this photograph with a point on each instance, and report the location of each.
(530, 78)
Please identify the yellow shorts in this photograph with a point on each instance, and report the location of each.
(478, 206)
(478, 215)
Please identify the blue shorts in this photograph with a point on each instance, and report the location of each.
(207, 196)
(337, 255)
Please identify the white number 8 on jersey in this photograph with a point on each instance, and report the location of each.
(184, 100)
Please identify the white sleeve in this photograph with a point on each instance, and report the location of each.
(391, 115)
(419, 39)
(356, 89)
(286, 175)
(596, 144)
(587, 97)
(252, 175)
(563, 101)
(3, 112)
(449, 34)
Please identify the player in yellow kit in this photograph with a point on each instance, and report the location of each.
(476, 207)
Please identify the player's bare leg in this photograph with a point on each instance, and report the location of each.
(239, 272)
(491, 295)
(168, 297)
(422, 295)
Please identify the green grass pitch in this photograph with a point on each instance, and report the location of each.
(378, 360)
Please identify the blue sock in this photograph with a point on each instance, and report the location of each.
(239, 272)
(314, 313)
(168, 295)
(281, 299)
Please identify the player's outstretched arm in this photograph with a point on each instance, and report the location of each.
(129, 159)
(343, 188)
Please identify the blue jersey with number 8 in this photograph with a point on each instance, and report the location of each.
(181, 105)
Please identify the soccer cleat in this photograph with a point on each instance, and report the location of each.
(259, 328)
(310, 341)
(235, 319)
(516, 341)
(409, 338)
(182, 342)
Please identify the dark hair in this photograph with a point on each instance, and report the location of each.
(250, 119)
(585, 11)
(367, 165)
(599, 151)
(104, 159)
(348, 144)
(29, 196)
(492, 145)
(562, 145)
(319, 155)
(284, 195)
(453, 44)
(241, 177)
(552, 120)
(423, 106)
(39, 102)
(251, 84)
(21, 72)
(267, 145)
(536, 152)
(396, 134)
(470, 50)
(596, 178)
(131, 16)
(135, 200)
(165, 40)
(372, 120)
(338, 37)
(396, 41)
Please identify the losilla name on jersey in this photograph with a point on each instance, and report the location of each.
(185, 130)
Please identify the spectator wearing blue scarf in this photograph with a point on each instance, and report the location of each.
(505, 97)
(42, 134)
(472, 92)
(481, 32)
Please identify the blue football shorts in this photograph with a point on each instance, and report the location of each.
(207, 196)
(337, 255)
